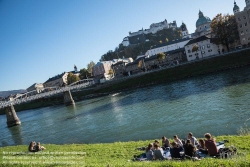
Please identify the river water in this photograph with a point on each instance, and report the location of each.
(218, 103)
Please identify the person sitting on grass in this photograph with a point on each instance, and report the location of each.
(165, 142)
(192, 139)
(210, 144)
(175, 150)
(158, 152)
(149, 152)
(178, 141)
(39, 147)
(202, 147)
(189, 149)
(32, 146)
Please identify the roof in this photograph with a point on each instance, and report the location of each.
(136, 61)
(171, 42)
(202, 38)
(55, 77)
(236, 7)
(202, 19)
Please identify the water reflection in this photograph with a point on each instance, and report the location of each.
(16, 133)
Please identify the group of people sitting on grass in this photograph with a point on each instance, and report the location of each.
(180, 149)
(35, 147)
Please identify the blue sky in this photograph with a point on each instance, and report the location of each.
(42, 38)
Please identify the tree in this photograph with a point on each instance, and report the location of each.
(71, 78)
(111, 72)
(90, 66)
(195, 49)
(161, 57)
(84, 74)
(225, 29)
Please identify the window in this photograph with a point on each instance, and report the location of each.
(203, 52)
(246, 30)
(203, 47)
(245, 24)
(249, 39)
(190, 56)
(240, 25)
(241, 33)
(208, 45)
(239, 19)
(244, 17)
(189, 51)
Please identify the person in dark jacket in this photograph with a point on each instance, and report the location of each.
(189, 149)
(175, 150)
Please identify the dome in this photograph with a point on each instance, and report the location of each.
(202, 19)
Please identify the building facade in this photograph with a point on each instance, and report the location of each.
(59, 80)
(167, 47)
(243, 21)
(36, 86)
(206, 47)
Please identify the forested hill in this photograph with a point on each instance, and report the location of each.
(163, 36)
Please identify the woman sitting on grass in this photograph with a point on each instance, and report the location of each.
(39, 147)
(158, 152)
(32, 146)
(189, 149)
(149, 152)
(165, 142)
(175, 150)
(202, 147)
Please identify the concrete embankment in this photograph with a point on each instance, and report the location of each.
(201, 67)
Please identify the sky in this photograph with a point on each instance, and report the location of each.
(42, 38)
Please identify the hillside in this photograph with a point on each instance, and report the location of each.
(163, 36)
(13, 92)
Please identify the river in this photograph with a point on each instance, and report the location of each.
(217, 103)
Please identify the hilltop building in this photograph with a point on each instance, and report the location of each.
(139, 36)
(242, 19)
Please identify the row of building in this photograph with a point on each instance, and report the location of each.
(176, 51)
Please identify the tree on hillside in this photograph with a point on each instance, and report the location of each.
(72, 78)
(90, 66)
(224, 27)
(84, 74)
(161, 57)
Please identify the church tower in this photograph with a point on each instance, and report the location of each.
(236, 8)
(75, 68)
(184, 30)
(247, 3)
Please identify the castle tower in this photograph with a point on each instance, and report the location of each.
(184, 30)
(236, 8)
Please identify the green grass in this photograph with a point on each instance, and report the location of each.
(116, 154)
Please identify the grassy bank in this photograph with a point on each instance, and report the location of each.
(114, 154)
